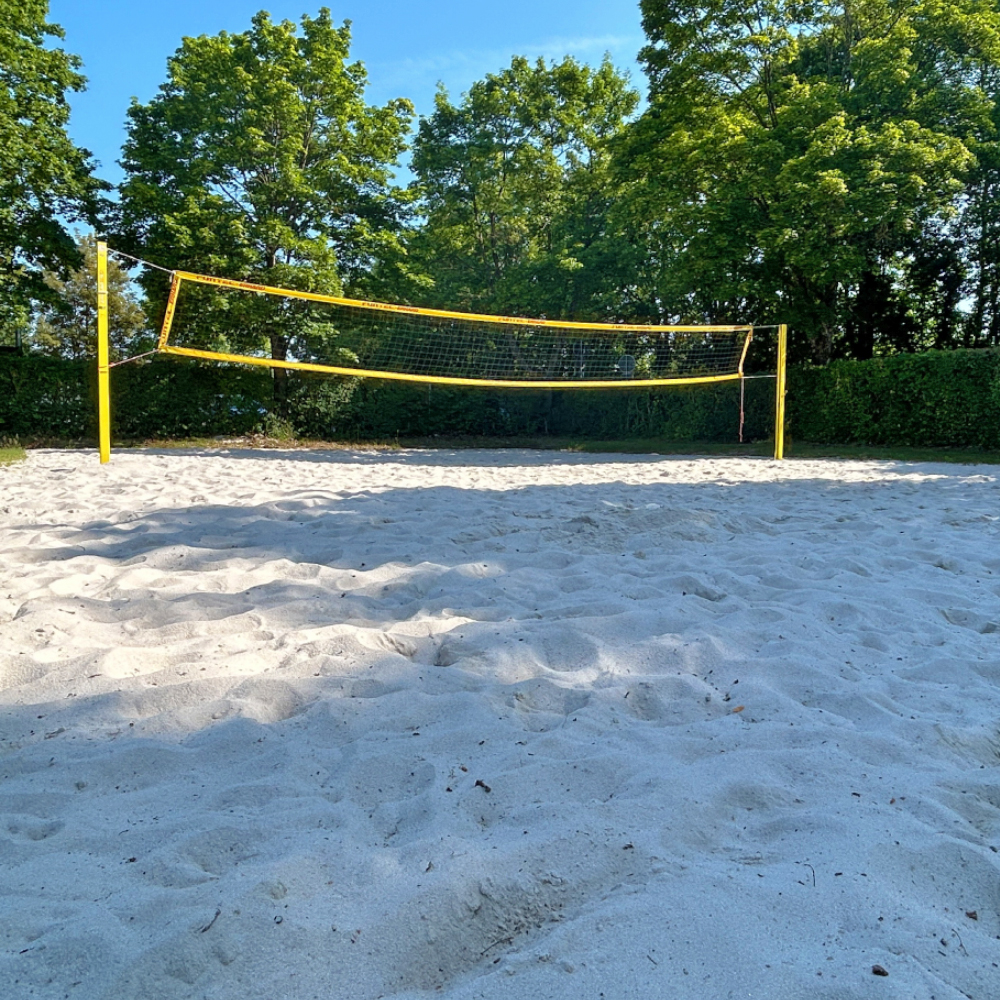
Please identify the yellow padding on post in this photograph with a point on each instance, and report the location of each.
(103, 350)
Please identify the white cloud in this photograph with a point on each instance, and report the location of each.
(458, 68)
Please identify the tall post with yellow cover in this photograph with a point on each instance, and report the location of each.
(779, 398)
(103, 374)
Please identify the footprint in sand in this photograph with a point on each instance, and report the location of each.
(674, 701)
(469, 920)
(567, 649)
(268, 701)
(28, 828)
(543, 705)
(388, 778)
(220, 850)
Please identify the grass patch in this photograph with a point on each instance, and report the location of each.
(755, 449)
(629, 446)
(863, 452)
(255, 441)
(656, 446)
(10, 455)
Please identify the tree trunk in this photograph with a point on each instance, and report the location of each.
(279, 352)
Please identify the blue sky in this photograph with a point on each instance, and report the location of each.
(407, 46)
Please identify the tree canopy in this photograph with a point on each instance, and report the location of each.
(517, 194)
(810, 161)
(260, 160)
(66, 325)
(46, 181)
(833, 164)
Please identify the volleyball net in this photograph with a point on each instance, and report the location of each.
(224, 320)
(342, 336)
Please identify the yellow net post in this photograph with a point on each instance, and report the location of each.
(779, 401)
(103, 374)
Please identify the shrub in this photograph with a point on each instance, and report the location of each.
(935, 399)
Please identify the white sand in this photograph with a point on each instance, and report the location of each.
(356, 725)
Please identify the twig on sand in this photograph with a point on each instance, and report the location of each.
(503, 940)
(806, 864)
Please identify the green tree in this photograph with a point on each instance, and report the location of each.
(260, 160)
(45, 180)
(974, 66)
(66, 325)
(795, 153)
(979, 238)
(518, 196)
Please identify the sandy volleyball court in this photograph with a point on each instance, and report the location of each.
(498, 725)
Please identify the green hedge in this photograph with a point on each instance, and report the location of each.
(706, 413)
(43, 398)
(941, 398)
(936, 399)
(174, 399)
